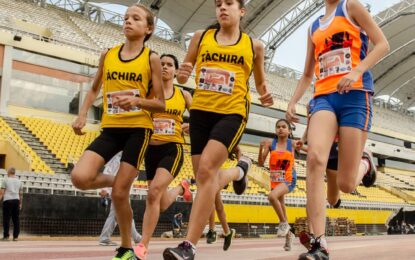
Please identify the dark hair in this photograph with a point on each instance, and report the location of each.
(174, 58)
(290, 127)
(216, 24)
(150, 20)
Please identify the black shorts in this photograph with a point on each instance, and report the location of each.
(132, 142)
(333, 157)
(168, 156)
(332, 164)
(204, 126)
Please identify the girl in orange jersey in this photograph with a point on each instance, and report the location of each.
(224, 59)
(282, 173)
(337, 50)
(125, 72)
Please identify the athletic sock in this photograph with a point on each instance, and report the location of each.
(241, 174)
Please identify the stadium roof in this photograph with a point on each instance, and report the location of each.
(394, 75)
(186, 16)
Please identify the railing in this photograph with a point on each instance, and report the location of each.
(27, 157)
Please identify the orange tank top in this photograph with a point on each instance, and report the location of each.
(339, 46)
(281, 164)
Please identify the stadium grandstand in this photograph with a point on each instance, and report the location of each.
(49, 51)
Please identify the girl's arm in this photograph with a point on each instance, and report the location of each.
(188, 99)
(361, 16)
(186, 68)
(259, 75)
(303, 83)
(263, 152)
(92, 94)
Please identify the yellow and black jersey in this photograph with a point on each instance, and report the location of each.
(222, 74)
(168, 125)
(125, 77)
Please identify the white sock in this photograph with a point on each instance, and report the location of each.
(323, 243)
(241, 174)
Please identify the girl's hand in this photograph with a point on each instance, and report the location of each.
(184, 71)
(346, 82)
(126, 102)
(290, 114)
(266, 99)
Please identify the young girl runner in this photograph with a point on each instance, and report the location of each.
(283, 176)
(338, 52)
(125, 71)
(164, 157)
(224, 58)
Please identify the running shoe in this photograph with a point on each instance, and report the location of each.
(245, 164)
(137, 239)
(124, 254)
(228, 239)
(370, 177)
(289, 241)
(316, 252)
(211, 236)
(283, 229)
(187, 194)
(184, 251)
(107, 243)
(140, 251)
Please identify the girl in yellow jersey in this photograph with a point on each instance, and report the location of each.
(126, 73)
(337, 50)
(224, 58)
(164, 157)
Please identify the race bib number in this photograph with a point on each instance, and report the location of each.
(335, 62)
(163, 126)
(111, 96)
(217, 80)
(277, 176)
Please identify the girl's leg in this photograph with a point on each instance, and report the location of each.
(351, 170)
(220, 210)
(157, 189)
(85, 175)
(121, 199)
(321, 132)
(212, 158)
(273, 198)
(333, 192)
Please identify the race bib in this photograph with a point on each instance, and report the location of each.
(277, 176)
(335, 62)
(113, 110)
(217, 80)
(163, 126)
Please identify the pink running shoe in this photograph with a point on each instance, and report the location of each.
(187, 195)
(140, 251)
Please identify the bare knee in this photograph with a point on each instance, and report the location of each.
(205, 175)
(272, 198)
(80, 180)
(120, 196)
(153, 195)
(314, 162)
(345, 186)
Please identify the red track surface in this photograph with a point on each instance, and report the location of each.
(371, 247)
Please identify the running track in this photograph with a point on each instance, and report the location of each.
(370, 247)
